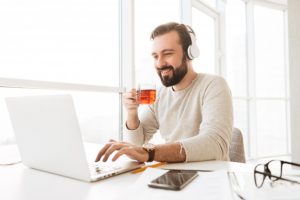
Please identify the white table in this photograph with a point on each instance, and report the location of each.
(20, 182)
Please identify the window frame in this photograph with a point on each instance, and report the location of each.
(252, 98)
(217, 14)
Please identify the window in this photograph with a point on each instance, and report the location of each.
(236, 61)
(270, 80)
(257, 74)
(63, 41)
(68, 44)
(206, 21)
(236, 47)
(204, 27)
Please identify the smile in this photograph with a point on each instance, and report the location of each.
(165, 72)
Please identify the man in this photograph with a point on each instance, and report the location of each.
(193, 112)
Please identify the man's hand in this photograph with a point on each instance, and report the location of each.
(131, 104)
(130, 101)
(132, 151)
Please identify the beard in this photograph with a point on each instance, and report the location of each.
(177, 73)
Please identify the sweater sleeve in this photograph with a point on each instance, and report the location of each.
(213, 140)
(146, 129)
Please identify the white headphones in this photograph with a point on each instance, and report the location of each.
(192, 50)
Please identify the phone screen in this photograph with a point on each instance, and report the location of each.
(174, 179)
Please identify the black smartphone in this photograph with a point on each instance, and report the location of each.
(174, 179)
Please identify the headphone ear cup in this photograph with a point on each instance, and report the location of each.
(189, 54)
(193, 50)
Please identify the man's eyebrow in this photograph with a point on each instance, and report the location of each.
(167, 50)
(163, 51)
(153, 54)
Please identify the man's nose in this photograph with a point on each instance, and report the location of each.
(160, 62)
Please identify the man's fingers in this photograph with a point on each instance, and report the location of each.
(102, 151)
(111, 149)
(128, 151)
(130, 95)
(120, 153)
(121, 148)
(130, 101)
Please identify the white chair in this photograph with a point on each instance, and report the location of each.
(236, 150)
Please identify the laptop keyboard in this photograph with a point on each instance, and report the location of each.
(98, 168)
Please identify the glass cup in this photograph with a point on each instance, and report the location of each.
(146, 93)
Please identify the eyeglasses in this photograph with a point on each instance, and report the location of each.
(273, 170)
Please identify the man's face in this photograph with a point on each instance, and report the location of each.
(169, 60)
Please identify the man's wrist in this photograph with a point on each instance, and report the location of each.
(132, 113)
(133, 121)
(150, 148)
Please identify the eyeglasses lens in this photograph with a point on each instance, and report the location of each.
(259, 177)
(275, 169)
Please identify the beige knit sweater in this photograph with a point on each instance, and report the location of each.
(200, 117)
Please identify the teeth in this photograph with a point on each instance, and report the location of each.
(165, 71)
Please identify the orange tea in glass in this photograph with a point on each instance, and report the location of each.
(146, 93)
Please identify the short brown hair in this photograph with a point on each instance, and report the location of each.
(181, 29)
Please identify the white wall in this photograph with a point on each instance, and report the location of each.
(294, 60)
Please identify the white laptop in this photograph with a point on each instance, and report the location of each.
(49, 139)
